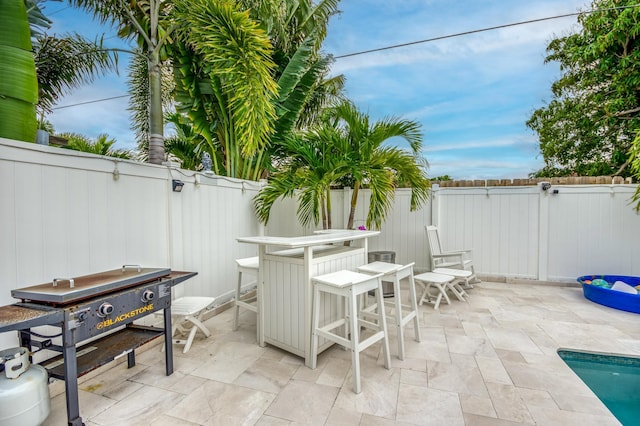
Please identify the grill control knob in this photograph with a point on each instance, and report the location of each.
(148, 296)
(105, 309)
(82, 316)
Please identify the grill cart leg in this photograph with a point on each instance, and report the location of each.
(168, 341)
(131, 359)
(71, 378)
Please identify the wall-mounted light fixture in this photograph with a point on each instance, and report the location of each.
(177, 185)
(116, 172)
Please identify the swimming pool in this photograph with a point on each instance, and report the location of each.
(614, 379)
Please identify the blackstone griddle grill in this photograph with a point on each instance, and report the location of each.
(88, 306)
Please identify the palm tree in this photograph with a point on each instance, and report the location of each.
(308, 172)
(147, 21)
(368, 162)
(347, 147)
(18, 83)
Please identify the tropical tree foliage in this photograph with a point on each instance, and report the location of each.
(224, 82)
(295, 31)
(348, 147)
(247, 71)
(589, 125)
(185, 145)
(102, 145)
(18, 83)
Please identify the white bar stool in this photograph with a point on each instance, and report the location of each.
(190, 311)
(247, 265)
(439, 281)
(461, 274)
(350, 285)
(396, 273)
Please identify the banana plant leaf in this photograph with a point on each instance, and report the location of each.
(18, 82)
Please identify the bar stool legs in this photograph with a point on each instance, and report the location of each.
(412, 314)
(248, 265)
(349, 285)
(402, 314)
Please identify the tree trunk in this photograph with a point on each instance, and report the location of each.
(354, 200)
(323, 211)
(352, 209)
(156, 119)
(329, 225)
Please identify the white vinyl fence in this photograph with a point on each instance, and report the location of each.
(64, 213)
(516, 232)
(554, 235)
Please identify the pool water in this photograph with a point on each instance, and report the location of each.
(614, 379)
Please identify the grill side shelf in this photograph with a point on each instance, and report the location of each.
(179, 276)
(104, 350)
(21, 316)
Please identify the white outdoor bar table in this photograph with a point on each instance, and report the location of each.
(284, 288)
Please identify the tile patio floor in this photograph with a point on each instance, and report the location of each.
(491, 361)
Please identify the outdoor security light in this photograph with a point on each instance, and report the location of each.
(177, 185)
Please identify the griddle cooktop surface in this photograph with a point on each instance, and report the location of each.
(88, 286)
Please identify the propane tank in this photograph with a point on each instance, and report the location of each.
(24, 390)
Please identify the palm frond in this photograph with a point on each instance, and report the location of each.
(38, 22)
(317, 20)
(292, 107)
(66, 63)
(282, 184)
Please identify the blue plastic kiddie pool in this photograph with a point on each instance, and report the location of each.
(597, 288)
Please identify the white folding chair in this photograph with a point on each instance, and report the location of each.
(458, 259)
(187, 316)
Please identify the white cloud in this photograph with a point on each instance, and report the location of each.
(505, 141)
(420, 26)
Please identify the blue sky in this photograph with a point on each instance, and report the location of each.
(472, 94)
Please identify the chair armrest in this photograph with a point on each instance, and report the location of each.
(458, 251)
(448, 255)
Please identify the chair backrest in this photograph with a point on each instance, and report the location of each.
(435, 248)
(434, 240)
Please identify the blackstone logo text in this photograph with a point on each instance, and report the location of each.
(126, 316)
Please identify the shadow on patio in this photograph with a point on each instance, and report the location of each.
(491, 361)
